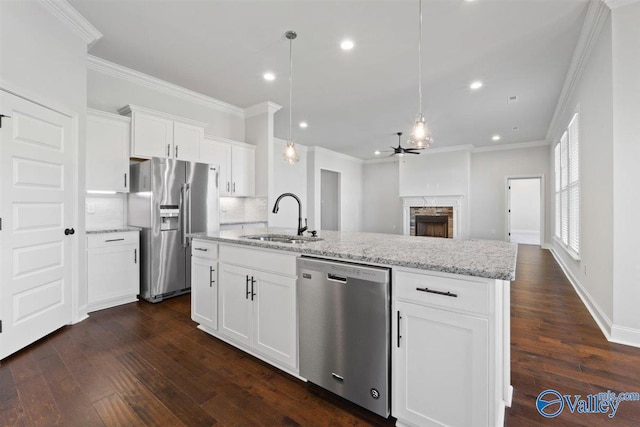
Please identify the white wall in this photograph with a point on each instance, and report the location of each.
(594, 97)
(43, 60)
(382, 206)
(489, 173)
(525, 204)
(289, 179)
(626, 173)
(350, 169)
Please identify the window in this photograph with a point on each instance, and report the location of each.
(567, 188)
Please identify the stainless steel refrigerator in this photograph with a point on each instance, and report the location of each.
(169, 199)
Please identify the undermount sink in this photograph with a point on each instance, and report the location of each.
(282, 238)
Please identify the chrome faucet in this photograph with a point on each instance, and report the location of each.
(301, 229)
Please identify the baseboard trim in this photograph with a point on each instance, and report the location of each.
(601, 319)
(626, 336)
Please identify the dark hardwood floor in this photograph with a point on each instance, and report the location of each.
(143, 364)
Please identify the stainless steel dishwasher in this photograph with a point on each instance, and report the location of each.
(344, 325)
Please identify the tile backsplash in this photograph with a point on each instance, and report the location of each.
(105, 211)
(243, 209)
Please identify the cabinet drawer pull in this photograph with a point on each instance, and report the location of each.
(431, 291)
(201, 249)
(114, 240)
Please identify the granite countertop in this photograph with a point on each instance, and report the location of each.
(481, 258)
(113, 230)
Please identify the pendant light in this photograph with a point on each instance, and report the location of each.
(290, 154)
(420, 135)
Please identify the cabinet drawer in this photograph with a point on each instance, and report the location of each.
(463, 294)
(204, 249)
(112, 239)
(260, 259)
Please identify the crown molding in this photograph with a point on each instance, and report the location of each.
(261, 108)
(77, 23)
(514, 146)
(597, 14)
(107, 115)
(129, 109)
(120, 72)
(613, 4)
(318, 149)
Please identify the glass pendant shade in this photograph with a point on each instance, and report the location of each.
(290, 154)
(420, 135)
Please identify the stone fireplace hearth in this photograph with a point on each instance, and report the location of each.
(432, 216)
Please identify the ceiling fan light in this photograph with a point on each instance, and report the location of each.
(290, 154)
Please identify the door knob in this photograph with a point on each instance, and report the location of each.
(68, 231)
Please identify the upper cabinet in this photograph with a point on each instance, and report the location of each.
(237, 165)
(108, 141)
(156, 134)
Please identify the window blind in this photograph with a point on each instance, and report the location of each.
(567, 186)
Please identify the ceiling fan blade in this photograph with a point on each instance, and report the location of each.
(411, 152)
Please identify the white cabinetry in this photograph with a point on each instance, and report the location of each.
(237, 165)
(113, 269)
(204, 283)
(156, 134)
(257, 303)
(108, 142)
(447, 349)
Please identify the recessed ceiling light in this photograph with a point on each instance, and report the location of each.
(496, 137)
(515, 128)
(377, 152)
(476, 85)
(269, 76)
(347, 44)
(304, 125)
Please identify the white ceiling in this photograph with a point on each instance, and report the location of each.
(355, 101)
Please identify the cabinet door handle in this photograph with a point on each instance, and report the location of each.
(125, 180)
(234, 187)
(135, 256)
(168, 150)
(227, 186)
(176, 151)
(246, 287)
(399, 336)
(431, 291)
(253, 282)
(211, 281)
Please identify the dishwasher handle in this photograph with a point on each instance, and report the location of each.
(334, 278)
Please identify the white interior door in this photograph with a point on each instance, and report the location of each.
(524, 210)
(36, 200)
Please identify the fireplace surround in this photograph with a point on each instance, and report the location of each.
(433, 206)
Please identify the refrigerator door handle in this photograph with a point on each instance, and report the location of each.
(185, 210)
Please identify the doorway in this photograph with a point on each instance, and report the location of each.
(524, 210)
(329, 200)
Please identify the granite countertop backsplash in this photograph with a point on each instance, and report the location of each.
(481, 258)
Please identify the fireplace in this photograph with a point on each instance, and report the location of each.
(432, 225)
(433, 216)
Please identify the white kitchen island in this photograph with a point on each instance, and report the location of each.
(450, 341)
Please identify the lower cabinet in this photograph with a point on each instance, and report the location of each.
(204, 291)
(113, 269)
(258, 309)
(441, 367)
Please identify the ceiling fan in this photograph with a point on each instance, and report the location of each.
(400, 151)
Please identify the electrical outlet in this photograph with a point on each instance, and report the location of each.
(91, 208)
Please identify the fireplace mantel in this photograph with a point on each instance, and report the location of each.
(454, 202)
